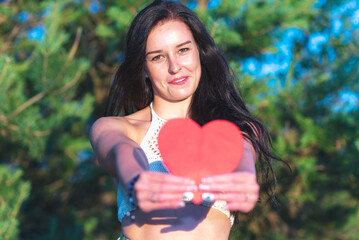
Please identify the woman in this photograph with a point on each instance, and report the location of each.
(173, 69)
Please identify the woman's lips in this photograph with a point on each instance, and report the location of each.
(179, 81)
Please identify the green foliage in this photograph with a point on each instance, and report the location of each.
(43, 118)
(243, 28)
(320, 197)
(38, 99)
(13, 192)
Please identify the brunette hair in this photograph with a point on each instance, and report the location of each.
(216, 96)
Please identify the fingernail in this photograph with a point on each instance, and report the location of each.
(187, 196)
(209, 197)
(203, 187)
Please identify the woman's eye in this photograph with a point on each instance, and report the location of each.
(156, 58)
(183, 50)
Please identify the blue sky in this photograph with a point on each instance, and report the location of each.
(277, 64)
(273, 64)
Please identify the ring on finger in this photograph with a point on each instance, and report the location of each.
(153, 197)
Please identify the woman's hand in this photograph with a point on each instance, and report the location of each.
(156, 190)
(239, 189)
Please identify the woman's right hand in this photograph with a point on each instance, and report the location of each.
(156, 190)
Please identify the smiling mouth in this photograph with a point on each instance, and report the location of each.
(178, 81)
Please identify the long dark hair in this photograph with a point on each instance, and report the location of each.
(216, 96)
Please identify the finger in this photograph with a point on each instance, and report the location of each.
(159, 197)
(165, 177)
(164, 183)
(164, 187)
(239, 177)
(229, 187)
(236, 197)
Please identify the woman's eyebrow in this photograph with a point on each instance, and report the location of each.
(179, 45)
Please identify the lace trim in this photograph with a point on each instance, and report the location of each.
(149, 143)
(218, 205)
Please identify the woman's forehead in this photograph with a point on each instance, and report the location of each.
(168, 33)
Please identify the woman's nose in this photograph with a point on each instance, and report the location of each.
(174, 65)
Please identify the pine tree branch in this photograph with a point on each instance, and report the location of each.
(133, 7)
(2, 19)
(68, 85)
(13, 127)
(103, 67)
(44, 68)
(33, 100)
(214, 28)
(38, 133)
(5, 121)
(100, 91)
(263, 31)
(9, 40)
(25, 105)
(39, 96)
(23, 192)
(202, 4)
(75, 45)
(72, 53)
(4, 70)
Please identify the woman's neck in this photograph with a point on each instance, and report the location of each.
(168, 110)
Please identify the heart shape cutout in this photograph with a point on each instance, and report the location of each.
(195, 152)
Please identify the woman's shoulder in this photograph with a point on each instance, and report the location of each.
(132, 120)
(138, 118)
(133, 126)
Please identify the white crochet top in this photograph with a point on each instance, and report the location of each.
(149, 145)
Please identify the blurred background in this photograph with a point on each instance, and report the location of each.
(296, 63)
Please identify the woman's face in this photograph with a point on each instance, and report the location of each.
(172, 61)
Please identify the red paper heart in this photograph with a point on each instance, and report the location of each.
(195, 152)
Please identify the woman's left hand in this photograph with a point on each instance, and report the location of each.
(240, 190)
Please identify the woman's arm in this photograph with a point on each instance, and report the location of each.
(247, 163)
(116, 152)
(124, 159)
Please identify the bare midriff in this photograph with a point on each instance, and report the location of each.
(190, 222)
